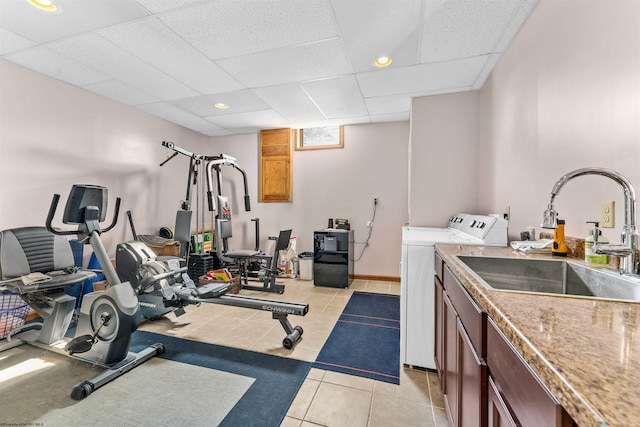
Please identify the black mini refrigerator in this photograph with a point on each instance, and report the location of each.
(333, 258)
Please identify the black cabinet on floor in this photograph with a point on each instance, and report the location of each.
(333, 258)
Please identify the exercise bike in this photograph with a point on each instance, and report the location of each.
(106, 319)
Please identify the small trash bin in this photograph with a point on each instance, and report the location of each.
(306, 265)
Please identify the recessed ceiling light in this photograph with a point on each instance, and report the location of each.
(221, 106)
(383, 61)
(47, 5)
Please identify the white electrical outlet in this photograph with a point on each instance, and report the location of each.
(608, 214)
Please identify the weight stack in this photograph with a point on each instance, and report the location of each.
(200, 264)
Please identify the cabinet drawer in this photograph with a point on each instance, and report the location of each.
(438, 267)
(471, 315)
(527, 398)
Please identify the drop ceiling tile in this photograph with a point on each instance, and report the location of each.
(97, 53)
(391, 117)
(423, 78)
(294, 63)
(515, 23)
(388, 104)
(156, 6)
(374, 28)
(254, 119)
(465, 28)
(337, 98)
(176, 115)
(219, 132)
(12, 42)
(120, 92)
(73, 17)
(151, 41)
(291, 102)
(238, 101)
(53, 64)
(228, 28)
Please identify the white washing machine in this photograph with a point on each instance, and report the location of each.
(417, 320)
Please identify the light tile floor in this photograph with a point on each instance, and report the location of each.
(326, 398)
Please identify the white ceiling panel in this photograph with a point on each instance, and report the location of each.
(238, 102)
(293, 63)
(422, 78)
(156, 6)
(177, 115)
(291, 101)
(392, 29)
(513, 25)
(339, 97)
(391, 117)
(95, 52)
(46, 61)
(73, 17)
(11, 42)
(120, 92)
(254, 119)
(388, 104)
(151, 41)
(240, 27)
(465, 28)
(276, 63)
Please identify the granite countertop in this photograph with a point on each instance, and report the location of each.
(586, 351)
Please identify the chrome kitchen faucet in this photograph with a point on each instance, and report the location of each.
(627, 249)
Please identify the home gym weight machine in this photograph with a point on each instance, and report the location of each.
(222, 220)
(162, 285)
(106, 319)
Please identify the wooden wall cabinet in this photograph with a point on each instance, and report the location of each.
(276, 160)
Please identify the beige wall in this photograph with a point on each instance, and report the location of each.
(565, 95)
(53, 135)
(443, 158)
(332, 183)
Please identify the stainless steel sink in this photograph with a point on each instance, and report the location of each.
(557, 277)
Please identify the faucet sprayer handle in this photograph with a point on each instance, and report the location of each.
(549, 218)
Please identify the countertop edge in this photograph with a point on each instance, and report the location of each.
(576, 405)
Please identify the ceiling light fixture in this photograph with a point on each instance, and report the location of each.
(221, 105)
(47, 5)
(383, 61)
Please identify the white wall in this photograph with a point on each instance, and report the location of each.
(565, 95)
(331, 183)
(443, 176)
(53, 135)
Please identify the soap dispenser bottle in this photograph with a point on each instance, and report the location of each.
(592, 258)
(559, 247)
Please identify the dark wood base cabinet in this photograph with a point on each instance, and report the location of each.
(525, 401)
(459, 357)
(484, 380)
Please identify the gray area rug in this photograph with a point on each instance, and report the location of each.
(35, 386)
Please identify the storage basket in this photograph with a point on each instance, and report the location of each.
(235, 283)
(13, 313)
